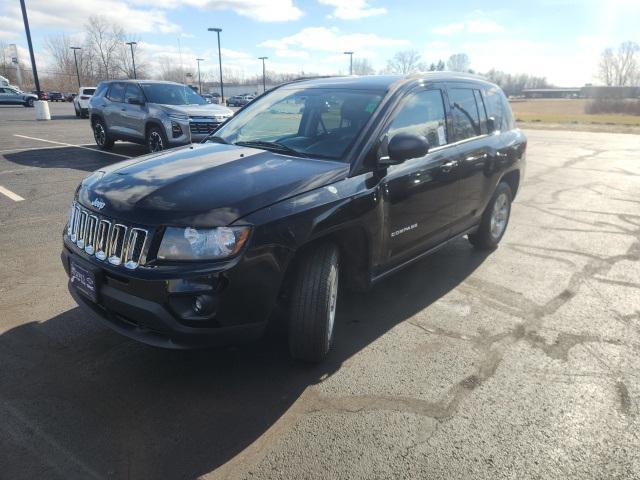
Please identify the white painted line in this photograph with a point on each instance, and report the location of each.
(71, 145)
(41, 148)
(13, 196)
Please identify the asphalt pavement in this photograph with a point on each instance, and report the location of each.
(523, 363)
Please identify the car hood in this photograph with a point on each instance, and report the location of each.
(202, 185)
(197, 110)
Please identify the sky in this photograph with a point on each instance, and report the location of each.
(558, 39)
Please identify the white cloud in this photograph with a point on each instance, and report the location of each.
(332, 40)
(472, 26)
(353, 9)
(259, 10)
(74, 13)
(288, 53)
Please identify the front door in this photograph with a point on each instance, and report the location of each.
(133, 114)
(114, 107)
(418, 194)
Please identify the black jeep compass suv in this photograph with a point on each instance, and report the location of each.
(315, 183)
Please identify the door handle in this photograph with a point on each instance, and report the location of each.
(475, 158)
(450, 165)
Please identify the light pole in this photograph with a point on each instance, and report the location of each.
(264, 77)
(350, 62)
(75, 58)
(199, 81)
(218, 30)
(33, 57)
(133, 59)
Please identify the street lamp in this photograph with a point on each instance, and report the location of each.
(199, 81)
(75, 58)
(218, 30)
(264, 81)
(133, 59)
(350, 62)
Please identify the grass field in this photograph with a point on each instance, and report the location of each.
(569, 111)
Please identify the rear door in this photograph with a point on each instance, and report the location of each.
(469, 128)
(419, 194)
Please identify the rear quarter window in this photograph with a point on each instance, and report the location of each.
(498, 107)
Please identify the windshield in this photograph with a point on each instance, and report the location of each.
(171, 94)
(313, 122)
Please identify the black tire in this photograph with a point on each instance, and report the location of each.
(101, 135)
(77, 111)
(29, 103)
(495, 219)
(156, 140)
(84, 113)
(313, 304)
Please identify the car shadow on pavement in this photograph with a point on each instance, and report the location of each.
(79, 401)
(88, 158)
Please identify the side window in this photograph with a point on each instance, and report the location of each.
(493, 101)
(116, 92)
(133, 91)
(483, 113)
(464, 113)
(423, 114)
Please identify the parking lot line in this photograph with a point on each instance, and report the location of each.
(71, 145)
(8, 193)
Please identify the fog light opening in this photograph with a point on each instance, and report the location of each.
(203, 305)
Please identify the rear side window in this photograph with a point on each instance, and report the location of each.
(465, 113)
(422, 113)
(116, 92)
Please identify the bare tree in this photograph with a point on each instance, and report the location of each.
(105, 42)
(458, 62)
(362, 66)
(407, 61)
(622, 67)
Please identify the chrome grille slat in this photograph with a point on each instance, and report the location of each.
(97, 236)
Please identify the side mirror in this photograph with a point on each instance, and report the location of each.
(404, 146)
(135, 101)
(491, 125)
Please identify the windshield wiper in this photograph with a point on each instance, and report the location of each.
(217, 139)
(272, 146)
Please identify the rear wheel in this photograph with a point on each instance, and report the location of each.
(77, 111)
(101, 135)
(29, 102)
(313, 304)
(84, 113)
(494, 219)
(156, 141)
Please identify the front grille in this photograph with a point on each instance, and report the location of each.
(105, 239)
(203, 125)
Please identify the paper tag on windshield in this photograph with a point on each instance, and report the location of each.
(441, 136)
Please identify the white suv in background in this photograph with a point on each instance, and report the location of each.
(81, 101)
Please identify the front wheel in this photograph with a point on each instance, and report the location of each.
(313, 304)
(156, 140)
(101, 135)
(494, 219)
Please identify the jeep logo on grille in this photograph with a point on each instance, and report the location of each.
(99, 204)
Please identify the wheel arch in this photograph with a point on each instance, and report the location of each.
(512, 179)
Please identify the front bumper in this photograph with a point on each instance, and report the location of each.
(156, 310)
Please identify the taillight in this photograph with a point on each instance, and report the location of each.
(84, 97)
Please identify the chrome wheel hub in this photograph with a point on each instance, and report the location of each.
(499, 215)
(155, 142)
(333, 299)
(99, 134)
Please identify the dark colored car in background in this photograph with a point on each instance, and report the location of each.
(239, 100)
(316, 183)
(56, 97)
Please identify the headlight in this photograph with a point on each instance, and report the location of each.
(202, 244)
